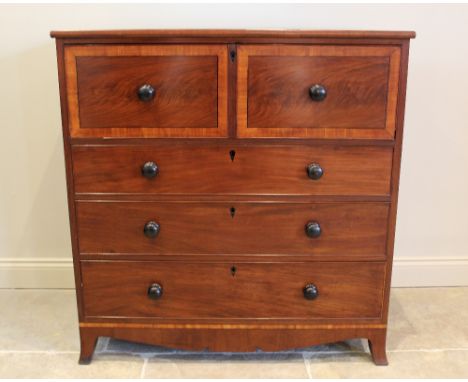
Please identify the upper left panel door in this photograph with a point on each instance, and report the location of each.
(171, 91)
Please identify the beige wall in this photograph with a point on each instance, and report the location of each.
(432, 229)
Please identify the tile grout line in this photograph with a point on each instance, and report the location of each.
(307, 365)
(107, 343)
(143, 368)
(426, 350)
(39, 352)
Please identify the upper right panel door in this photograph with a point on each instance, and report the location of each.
(317, 91)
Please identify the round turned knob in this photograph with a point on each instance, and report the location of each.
(149, 170)
(146, 93)
(314, 171)
(151, 229)
(317, 92)
(155, 291)
(310, 292)
(313, 229)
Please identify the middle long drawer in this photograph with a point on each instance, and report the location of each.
(232, 168)
(351, 229)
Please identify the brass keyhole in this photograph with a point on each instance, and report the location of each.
(232, 154)
(233, 270)
(233, 211)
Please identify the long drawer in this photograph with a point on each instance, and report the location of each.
(354, 229)
(233, 169)
(219, 290)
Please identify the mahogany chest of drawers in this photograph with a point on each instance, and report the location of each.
(233, 190)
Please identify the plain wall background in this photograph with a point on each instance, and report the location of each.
(432, 227)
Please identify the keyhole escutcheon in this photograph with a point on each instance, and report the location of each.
(232, 55)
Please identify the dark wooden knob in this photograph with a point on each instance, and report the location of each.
(155, 291)
(310, 292)
(314, 171)
(151, 229)
(146, 93)
(149, 170)
(313, 229)
(318, 92)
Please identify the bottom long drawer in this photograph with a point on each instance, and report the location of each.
(190, 290)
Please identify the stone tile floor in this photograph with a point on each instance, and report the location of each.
(428, 337)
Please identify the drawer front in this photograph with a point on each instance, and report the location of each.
(317, 91)
(216, 290)
(233, 169)
(147, 90)
(349, 229)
